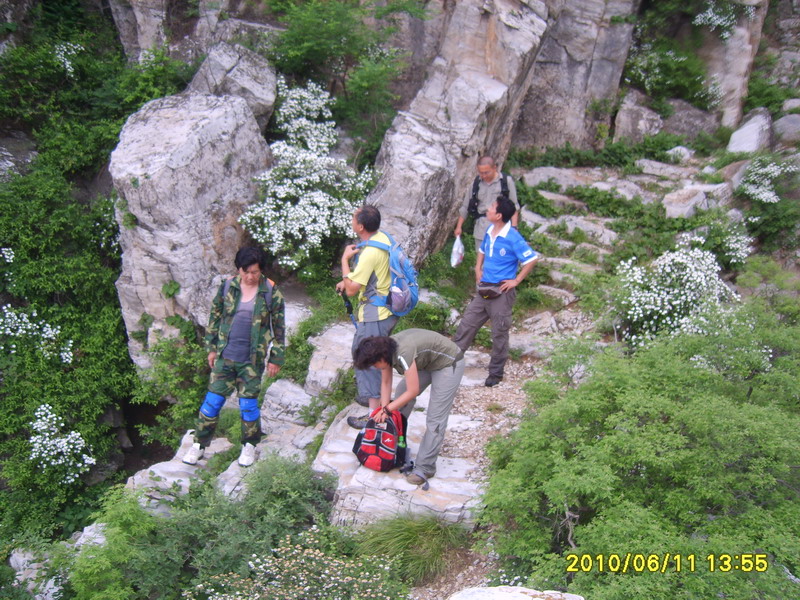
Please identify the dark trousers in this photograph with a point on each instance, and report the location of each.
(478, 312)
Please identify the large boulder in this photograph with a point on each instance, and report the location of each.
(689, 121)
(466, 107)
(577, 73)
(754, 134)
(184, 171)
(787, 129)
(635, 120)
(236, 71)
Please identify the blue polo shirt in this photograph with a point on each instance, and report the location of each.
(503, 253)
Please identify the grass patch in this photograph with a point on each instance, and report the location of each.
(420, 545)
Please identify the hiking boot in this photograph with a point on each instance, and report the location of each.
(492, 380)
(358, 422)
(417, 478)
(248, 455)
(193, 454)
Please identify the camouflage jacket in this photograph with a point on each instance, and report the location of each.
(223, 309)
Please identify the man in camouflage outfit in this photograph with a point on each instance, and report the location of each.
(247, 323)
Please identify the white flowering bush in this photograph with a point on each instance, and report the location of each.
(64, 53)
(16, 326)
(722, 15)
(308, 196)
(669, 294)
(728, 241)
(53, 448)
(761, 177)
(305, 570)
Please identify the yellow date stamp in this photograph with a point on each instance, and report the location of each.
(630, 562)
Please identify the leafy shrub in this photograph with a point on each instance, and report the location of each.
(606, 203)
(663, 457)
(174, 385)
(425, 316)
(532, 199)
(664, 70)
(306, 568)
(206, 535)
(763, 92)
(773, 212)
(418, 545)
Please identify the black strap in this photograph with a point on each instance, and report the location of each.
(473, 201)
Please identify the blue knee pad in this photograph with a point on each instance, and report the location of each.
(249, 408)
(212, 405)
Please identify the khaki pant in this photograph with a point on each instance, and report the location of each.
(444, 385)
(478, 312)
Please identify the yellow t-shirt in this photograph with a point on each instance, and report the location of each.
(372, 272)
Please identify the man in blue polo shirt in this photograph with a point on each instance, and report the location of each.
(503, 249)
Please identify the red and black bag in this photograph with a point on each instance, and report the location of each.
(382, 446)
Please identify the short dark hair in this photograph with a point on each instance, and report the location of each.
(486, 160)
(369, 217)
(372, 349)
(250, 255)
(506, 208)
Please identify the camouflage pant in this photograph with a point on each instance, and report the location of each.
(226, 377)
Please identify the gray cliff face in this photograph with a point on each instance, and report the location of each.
(465, 108)
(580, 62)
(184, 170)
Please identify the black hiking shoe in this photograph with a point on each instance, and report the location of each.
(358, 422)
(492, 380)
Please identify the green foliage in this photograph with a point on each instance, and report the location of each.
(664, 458)
(170, 289)
(531, 198)
(706, 144)
(174, 386)
(606, 203)
(206, 535)
(763, 92)
(420, 545)
(335, 398)
(457, 285)
(433, 316)
(618, 154)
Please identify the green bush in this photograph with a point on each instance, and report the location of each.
(175, 386)
(425, 316)
(650, 455)
(206, 535)
(419, 545)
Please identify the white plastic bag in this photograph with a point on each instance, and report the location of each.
(457, 254)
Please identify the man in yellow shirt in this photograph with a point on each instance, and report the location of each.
(369, 277)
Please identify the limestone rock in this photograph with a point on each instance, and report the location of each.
(508, 592)
(183, 170)
(332, 353)
(754, 134)
(161, 481)
(578, 66)
(688, 121)
(791, 104)
(566, 298)
(718, 194)
(364, 496)
(735, 172)
(17, 151)
(236, 71)
(684, 203)
(594, 227)
(635, 120)
(787, 129)
(566, 178)
(680, 154)
(625, 188)
(659, 169)
(730, 61)
(465, 108)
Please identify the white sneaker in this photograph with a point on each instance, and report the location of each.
(248, 455)
(194, 454)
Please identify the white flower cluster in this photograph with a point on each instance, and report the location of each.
(51, 447)
(304, 115)
(7, 254)
(722, 15)
(307, 196)
(736, 244)
(64, 53)
(666, 296)
(759, 180)
(15, 325)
